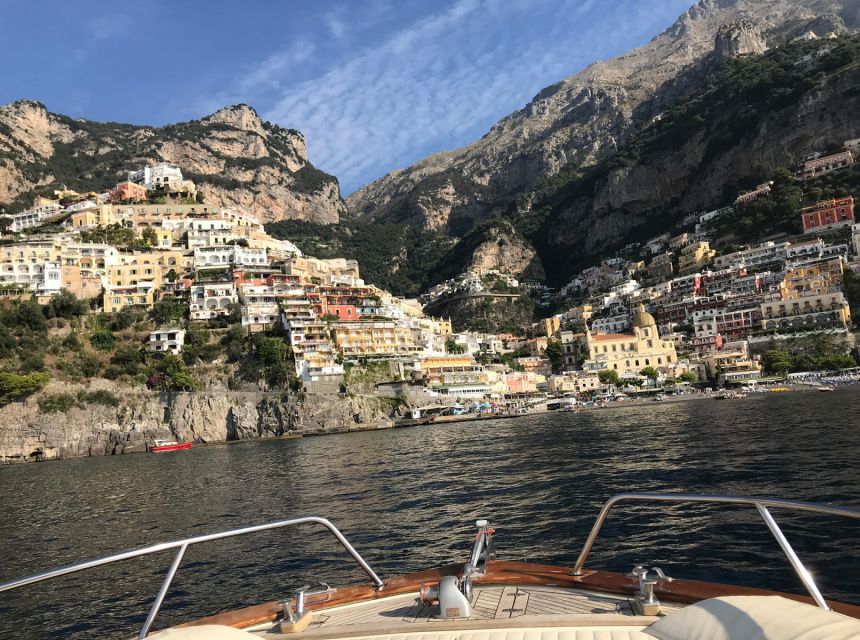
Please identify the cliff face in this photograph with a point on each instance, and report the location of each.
(235, 158)
(758, 115)
(28, 435)
(586, 117)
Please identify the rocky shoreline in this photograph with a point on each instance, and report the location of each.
(29, 434)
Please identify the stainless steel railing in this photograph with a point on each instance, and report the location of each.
(760, 503)
(183, 545)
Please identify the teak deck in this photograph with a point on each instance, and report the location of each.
(513, 588)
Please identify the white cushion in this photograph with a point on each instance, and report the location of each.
(754, 618)
(204, 632)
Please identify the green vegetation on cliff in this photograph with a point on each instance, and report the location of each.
(62, 340)
(392, 256)
(722, 114)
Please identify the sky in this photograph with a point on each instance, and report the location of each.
(373, 84)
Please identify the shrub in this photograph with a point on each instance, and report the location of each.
(85, 365)
(72, 342)
(126, 318)
(168, 310)
(100, 396)
(65, 305)
(103, 340)
(57, 403)
(234, 342)
(128, 360)
(14, 386)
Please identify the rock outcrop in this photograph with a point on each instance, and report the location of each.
(738, 38)
(28, 434)
(583, 118)
(236, 159)
(507, 253)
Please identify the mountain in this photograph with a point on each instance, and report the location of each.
(236, 159)
(570, 128)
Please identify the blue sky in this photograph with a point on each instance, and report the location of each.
(373, 85)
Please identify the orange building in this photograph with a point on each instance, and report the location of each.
(838, 212)
(344, 312)
(127, 191)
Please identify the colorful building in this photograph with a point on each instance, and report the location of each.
(828, 214)
(629, 353)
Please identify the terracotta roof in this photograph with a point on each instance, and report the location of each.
(612, 336)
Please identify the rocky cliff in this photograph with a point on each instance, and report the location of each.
(588, 116)
(28, 434)
(235, 158)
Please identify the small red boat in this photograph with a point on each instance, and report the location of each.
(161, 446)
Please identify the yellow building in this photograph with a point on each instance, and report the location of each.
(96, 216)
(548, 326)
(629, 353)
(694, 257)
(727, 367)
(373, 338)
(322, 271)
(31, 252)
(136, 216)
(811, 297)
(135, 268)
(453, 369)
(117, 298)
(820, 277)
(83, 283)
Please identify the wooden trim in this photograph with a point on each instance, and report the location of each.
(520, 622)
(513, 573)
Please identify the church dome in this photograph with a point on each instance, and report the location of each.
(642, 318)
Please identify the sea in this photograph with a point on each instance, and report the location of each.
(407, 499)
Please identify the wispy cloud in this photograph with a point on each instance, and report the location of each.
(111, 26)
(275, 71)
(441, 80)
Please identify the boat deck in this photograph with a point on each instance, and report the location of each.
(499, 604)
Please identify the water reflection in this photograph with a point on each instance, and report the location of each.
(407, 499)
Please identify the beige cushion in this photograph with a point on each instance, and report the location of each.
(754, 618)
(203, 632)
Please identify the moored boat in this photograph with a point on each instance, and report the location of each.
(506, 600)
(161, 446)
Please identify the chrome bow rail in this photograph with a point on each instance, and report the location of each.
(760, 503)
(183, 545)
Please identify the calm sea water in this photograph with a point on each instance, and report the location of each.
(407, 499)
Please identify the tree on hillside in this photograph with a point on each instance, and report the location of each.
(64, 304)
(149, 237)
(650, 372)
(608, 376)
(777, 362)
(452, 347)
(555, 353)
(13, 386)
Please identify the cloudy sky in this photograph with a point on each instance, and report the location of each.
(374, 85)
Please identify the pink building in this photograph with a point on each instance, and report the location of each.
(127, 191)
(522, 382)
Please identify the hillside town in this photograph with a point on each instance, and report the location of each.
(675, 312)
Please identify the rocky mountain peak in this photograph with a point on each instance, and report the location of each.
(235, 158)
(238, 116)
(737, 38)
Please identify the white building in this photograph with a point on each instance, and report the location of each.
(166, 341)
(209, 233)
(160, 175)
(33, 217)
(765, 253)
(223, 256)
(44, 278)
(611, 324)
(574, 382)
(211, 299)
